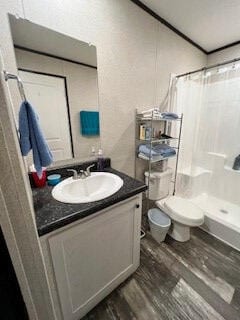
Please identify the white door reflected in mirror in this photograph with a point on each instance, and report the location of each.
(48, 96)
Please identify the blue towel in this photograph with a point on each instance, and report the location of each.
(161, 149)
(169, 115)
(31, 137)
(89, 123)
(169, 153)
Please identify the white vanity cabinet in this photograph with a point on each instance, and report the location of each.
(94, 255)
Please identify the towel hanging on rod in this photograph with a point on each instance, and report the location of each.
(30, 133)
(8, 76)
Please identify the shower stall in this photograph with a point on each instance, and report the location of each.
(210, 102)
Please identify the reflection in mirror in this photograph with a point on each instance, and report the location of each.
(59, 75)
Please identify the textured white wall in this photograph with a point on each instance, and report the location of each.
(136, 55)
(224, 55)
(174, 55)
(82, 93)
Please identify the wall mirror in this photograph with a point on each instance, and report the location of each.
(59, 76)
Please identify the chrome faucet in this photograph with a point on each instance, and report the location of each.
(88, 169)
(82, 174)
(75, 174)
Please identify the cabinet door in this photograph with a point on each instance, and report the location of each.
(93, 257)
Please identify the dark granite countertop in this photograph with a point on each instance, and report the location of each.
(52, 214)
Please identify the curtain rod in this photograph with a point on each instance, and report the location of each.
(206, 68)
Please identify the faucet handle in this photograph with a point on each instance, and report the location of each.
(88, 169)
(75, 174)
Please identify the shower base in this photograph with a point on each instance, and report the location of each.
(222, 218)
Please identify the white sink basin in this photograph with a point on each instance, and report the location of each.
(96, 187)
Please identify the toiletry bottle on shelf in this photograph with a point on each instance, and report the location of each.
(148, 133)
(153, 133)
(142, 130)
(100, 160)
(93, 153)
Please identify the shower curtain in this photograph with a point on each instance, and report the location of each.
(210, 103)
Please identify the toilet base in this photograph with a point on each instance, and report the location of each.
(179, 232)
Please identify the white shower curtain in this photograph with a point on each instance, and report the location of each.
(210, 103)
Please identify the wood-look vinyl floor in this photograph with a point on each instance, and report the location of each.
(196, 280)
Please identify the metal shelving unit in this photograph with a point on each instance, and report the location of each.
(164, 138)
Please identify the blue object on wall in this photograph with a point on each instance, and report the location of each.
(89, 121)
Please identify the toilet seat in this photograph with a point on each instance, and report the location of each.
(183, 211)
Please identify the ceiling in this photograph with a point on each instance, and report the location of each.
(32, 36)
(211, 24)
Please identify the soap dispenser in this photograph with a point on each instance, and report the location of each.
(100, 160)
(93, 153)
(236, 164)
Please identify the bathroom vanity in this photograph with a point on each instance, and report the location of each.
(89, 248)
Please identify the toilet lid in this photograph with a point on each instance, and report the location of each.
(183, 211)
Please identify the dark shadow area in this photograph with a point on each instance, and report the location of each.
(12, 304)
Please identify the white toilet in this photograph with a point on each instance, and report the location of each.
(183, 214)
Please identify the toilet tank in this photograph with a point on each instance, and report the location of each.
(159, 183)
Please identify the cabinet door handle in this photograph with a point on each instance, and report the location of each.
(137, 205)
